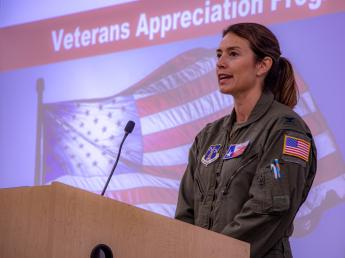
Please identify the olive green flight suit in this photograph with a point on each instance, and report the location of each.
(242, 194)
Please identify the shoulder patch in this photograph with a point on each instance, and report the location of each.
(211, 154)
(296, 147)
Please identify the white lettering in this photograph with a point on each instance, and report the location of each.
(114, 32)
(57, 39)
(166, 24)
(175, 19)
(125, 31)
(186, 18)
(103, 35)
(300, 2)
(77, 37)
(154, 26)
(161, 25)
(94, 35)
(257, 7)
(287, 3)
(244, 8)
(142, 25)
(207, 12)
(234, 8)
(85, 38)
(216, 15)
(226, 7)
(68, 41)
(274, 4)
(314, 4)
(197, 20)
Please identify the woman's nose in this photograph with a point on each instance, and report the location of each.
(221, 62)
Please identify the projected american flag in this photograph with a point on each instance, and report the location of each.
(169, 106)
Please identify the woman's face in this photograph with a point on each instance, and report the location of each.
(237, 71)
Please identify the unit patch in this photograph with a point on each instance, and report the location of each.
(236, 150)
(211, 154)
(296, 147)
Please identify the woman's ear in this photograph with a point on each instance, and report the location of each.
(264, 66)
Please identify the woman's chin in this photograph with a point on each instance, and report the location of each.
(225, 89)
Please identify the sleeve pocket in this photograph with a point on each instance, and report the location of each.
(268, 195)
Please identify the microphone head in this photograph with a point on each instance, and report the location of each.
(129, 126)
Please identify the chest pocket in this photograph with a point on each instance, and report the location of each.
(242, 175)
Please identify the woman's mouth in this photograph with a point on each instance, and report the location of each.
(222, 77)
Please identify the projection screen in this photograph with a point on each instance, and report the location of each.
(73, 73)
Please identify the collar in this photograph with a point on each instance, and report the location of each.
(261, 107)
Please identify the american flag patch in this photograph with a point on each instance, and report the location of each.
(296, 147)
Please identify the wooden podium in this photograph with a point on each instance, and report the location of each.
(59, 221)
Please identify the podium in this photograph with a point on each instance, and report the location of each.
(58, 221)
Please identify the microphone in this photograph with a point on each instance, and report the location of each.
(128, 129)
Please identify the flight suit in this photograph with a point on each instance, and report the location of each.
(248, 180)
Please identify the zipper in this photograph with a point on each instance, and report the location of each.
(210, 223)
(200, 189)
(227, 186)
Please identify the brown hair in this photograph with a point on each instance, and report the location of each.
(280, 80)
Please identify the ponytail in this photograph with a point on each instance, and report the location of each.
(282, 83)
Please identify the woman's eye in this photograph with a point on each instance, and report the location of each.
(219, 55)
(232, 53)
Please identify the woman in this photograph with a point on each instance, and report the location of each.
(248, 173)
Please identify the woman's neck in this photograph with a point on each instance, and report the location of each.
(245, 103)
